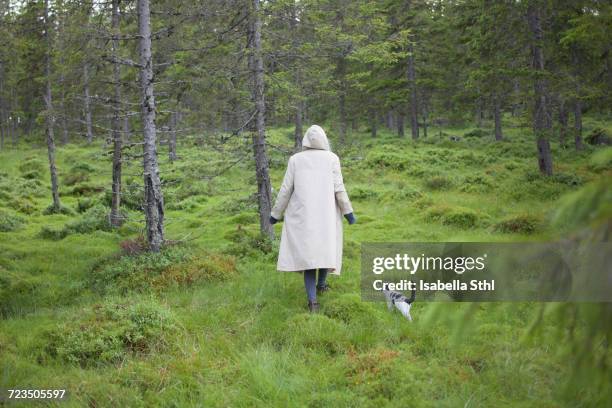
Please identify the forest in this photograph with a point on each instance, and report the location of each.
(142, 145)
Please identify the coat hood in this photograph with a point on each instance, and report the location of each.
(315, 138)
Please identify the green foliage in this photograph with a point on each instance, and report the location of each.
(519, 224)
(31, 168)
(462, 218)
(589, 206)
(110, 332)
(10, 222)
(363, 193)
(477, 133)
(601, 160)
(318, 332)
(132, 195)
(455, 216)
(95, 218)
(174, 266)
(348, 308)
(438, 183)
(246, 242)
(598, 136)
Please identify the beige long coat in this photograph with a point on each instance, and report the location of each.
(313, 199)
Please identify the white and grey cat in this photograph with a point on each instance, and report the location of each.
(401, 302)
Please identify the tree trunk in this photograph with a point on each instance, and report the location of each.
(516, 86)
(389, 120)
(498, 117)
(299, 103)
(115, 216)
(172, 141)
(87, 104)
(414, 102)
(297, 135)
(49, 114)
(563, 119)
(259, 136)
(153, 197)
(425, 120)
(541, 119)
(400, 124)
(578, 124)
(373, 123)
(342, 104)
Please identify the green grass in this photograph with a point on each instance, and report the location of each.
(209, 322)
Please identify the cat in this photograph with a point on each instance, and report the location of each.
(401, 302)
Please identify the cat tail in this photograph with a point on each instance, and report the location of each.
(412, 296)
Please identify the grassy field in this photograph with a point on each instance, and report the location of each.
(209, 322)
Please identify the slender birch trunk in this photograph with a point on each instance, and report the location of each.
(259, 136)
(115, 216)
(87, 104)
(49, 114)
(153, 198)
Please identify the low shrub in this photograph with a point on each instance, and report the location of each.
(31, 168)
(436, 212)
(518, 224)
(461, 217)
(453, 216)
(132, 196)
(61, 210)
(245, 218)
(52, 233)
(404, 194)
(477, 183)
(82, 167)
(598, 136)
(246, 242)
(477, 133)
(75, 178)
(85, 189)
(110, 332)
(363, 193)
(24, 205)
(242, 204)
(134, 246)
(173, 266)
(10, 222)
(438, 183)
(84, 204)
(387, 159)
(567, 179)
(94, 219)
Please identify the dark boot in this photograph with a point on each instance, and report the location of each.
(322, 289)
(313, 307)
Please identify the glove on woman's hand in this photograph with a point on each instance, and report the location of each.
(350, 218)
(273, 220)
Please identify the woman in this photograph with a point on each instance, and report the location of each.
(313, 199)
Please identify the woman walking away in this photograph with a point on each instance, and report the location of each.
(314, 200)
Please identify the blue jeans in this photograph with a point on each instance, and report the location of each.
(310, 277)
